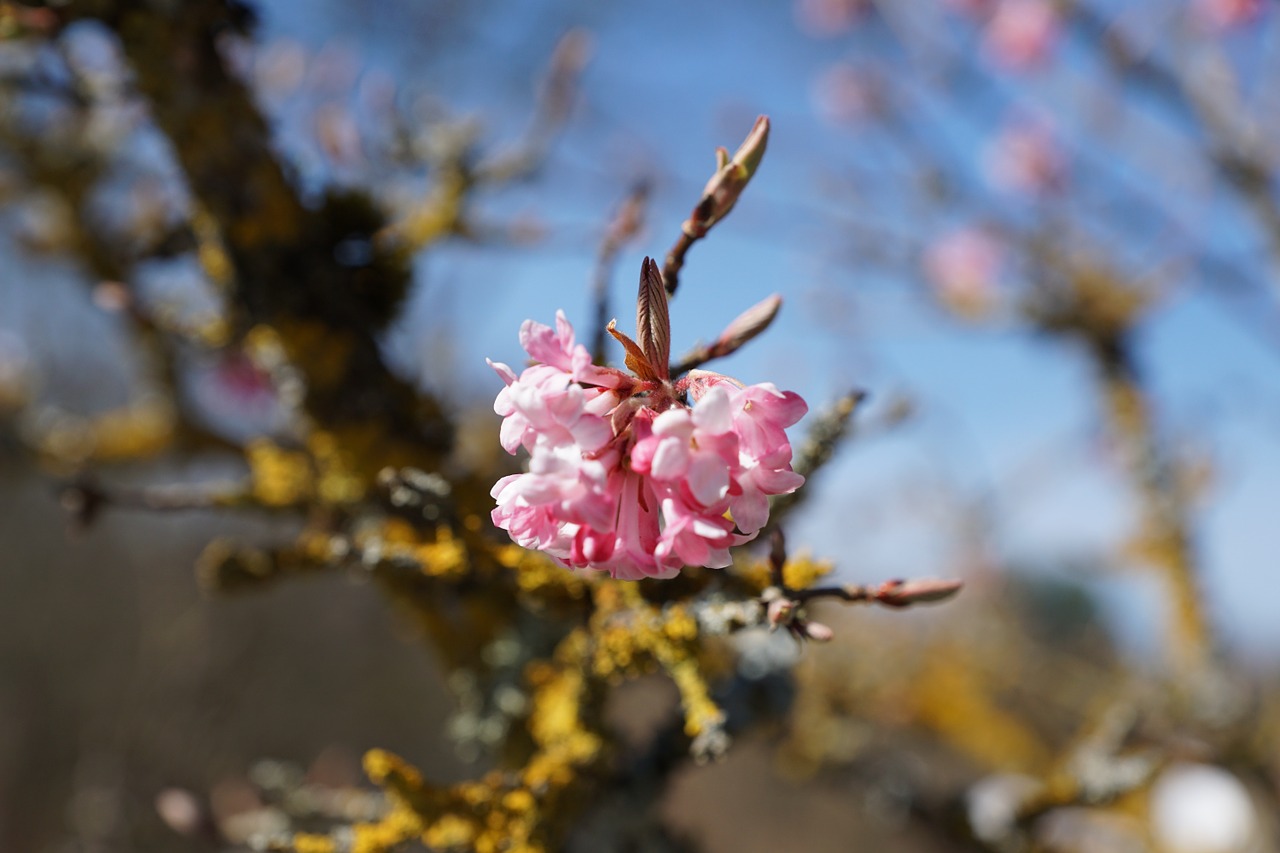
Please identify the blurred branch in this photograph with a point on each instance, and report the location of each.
(831, 427)
(627, 223)
(1165, 538)
(781, 605)
(1094, 772)
(330, 328)
(1089, 303)
(460, 171)
(85, 499)
(1205, 98)
(557, 93)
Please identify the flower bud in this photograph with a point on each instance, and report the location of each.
(747, 325)
(906, 593)
(779, 611)
(817, 632)
(731, 177)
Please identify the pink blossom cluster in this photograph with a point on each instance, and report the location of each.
(846, 93)
(1022, 33)
(627, 477)
(1025, 157)
(825, 18)
(1225, 14)
(963, 266)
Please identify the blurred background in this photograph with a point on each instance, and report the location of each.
(1043, 237)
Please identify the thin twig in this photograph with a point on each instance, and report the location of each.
(84, 499)
(674, 261)
(893, 593)
(718, 197)
(627, 222)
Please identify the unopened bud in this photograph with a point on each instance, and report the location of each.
(817, 632)
(751, 151)
(111, 296)
(747, 325)
(559, 87)
(731, 177)
(779, 611)
(906, 593)
(180, 810)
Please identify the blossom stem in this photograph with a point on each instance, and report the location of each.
(674, 261)
(894, 593)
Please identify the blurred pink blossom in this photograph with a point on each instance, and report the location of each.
(637, 475)
(845, 93)
(280, 68)
(335, 68)
(827, 18)
(1025, 157)
(243, 381)
(338, 134)
(1226, 14)
(963, 267)
(972, 8)
(1022, 33)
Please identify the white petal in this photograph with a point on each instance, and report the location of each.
(713, 412)
(708, 478)
(674, 422)
(670, 459)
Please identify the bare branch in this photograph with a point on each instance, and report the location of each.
(718, 197)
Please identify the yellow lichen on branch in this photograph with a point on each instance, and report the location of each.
(951, 698)
(279, 477)
(625, 636)
(633, 637)
(560, 692)
(537, 576)
(502, 811)
(800, 572)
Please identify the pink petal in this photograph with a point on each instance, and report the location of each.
(718, 558)
(500, 486)
(714, 412)
(564, 331)
(782, 481)
(750, 511)
(512, 433)
(508, 375)
(594, 374)
(591, 433)
(783, 408)
(542, 344)
(674, 422)
(504, 404)
(670, 460)
(642, 455)
(699, 382)
(708, 478)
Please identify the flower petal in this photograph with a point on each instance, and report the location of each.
(714, 412)
(670, 460)
(708, 478)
